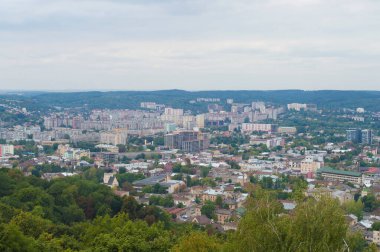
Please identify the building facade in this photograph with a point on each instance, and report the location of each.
(188, 141)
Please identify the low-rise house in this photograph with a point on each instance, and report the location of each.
(223, 215)
(202, 220)
(342, 196)
(176, 211)
(232, 204)
(288, 204)
(376, 237)
(367, 224)
(211, 195)
(376, 191)
(69, 153)
(368, 236)
(197, 190)
(230, 226)
(110, 180)
(351, 219)
(197, 211)
(186, 201)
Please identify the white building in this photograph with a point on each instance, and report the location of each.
(250, 127)
(6, 150)
(172, 111)
(360, 110)
(297, 106)
(115, 137)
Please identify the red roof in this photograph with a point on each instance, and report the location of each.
(373, 170)
(175, 210)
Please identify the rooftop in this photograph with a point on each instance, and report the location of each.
(151, 180)
(340, 172)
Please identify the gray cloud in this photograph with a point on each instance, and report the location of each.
(190, 44)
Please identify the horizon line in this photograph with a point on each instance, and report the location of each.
(174, 89)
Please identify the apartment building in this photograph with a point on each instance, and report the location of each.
(261, 127)
(188, 141)
(6, 150)
(114, 137)
(340, 175)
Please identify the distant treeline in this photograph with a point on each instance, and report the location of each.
(370, 100)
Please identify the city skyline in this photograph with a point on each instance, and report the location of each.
(190, 45)
(189, 125)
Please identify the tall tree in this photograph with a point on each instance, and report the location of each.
(317, 226)
(313, 226)
(197, 242)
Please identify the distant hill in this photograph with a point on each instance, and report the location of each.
(370, 100)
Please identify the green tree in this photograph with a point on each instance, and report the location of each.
(121, 234)
(197, 242)
(245, 156)
(208, 181)
(356, 241)
(355, 208)
(87, 159)
(205, 171)
(219, 201)
(261, 228)
(208, 209)
(32, 225)
(72, 214)
(314, 226)
(370, 203)
(197, 200)
(13, 240)
(318, 226)
(266, 183)
(180, 205)
(376, 226)
(131, 207)
(129, 177)
(7, 184)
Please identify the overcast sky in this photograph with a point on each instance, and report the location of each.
(189, 44)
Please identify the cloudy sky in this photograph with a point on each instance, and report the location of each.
(189, 44)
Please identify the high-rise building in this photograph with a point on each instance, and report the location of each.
(353, 135)
(258, 105)
(114, 137)
(366, 136)
(173, 112)
(200, 119)
(76, 122)
(6, 150)
(359, 136)
(188, 141)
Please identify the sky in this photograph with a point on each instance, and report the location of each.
(189, 44)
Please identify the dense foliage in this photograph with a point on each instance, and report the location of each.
(79, 214)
